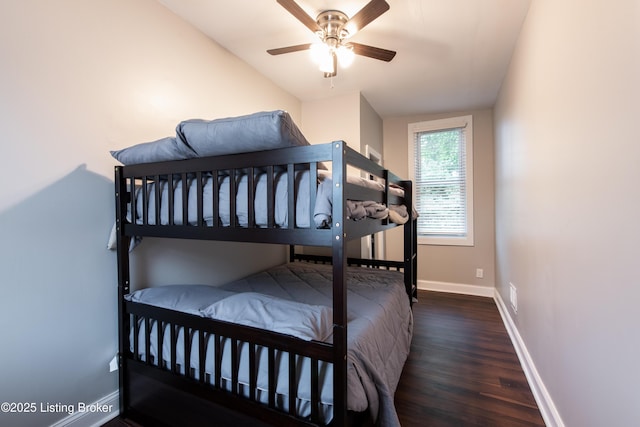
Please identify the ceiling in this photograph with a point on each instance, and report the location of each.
(451, 54)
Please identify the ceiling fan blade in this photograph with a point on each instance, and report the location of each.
(366, 15)
(289, 49)
(302, 16)
(373, 52)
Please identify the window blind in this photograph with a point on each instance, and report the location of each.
(440, 182)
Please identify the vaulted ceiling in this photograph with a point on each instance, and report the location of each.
(451, 54)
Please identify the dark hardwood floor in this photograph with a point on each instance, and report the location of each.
(462, 369)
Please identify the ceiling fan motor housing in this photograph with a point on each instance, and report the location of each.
(332, 23)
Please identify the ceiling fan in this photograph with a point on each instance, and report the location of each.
(334, 28)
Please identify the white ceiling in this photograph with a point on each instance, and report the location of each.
(451, 54)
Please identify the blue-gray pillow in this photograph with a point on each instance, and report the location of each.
(162, 150)
(265, 130)
(185, 298)
(307, 322)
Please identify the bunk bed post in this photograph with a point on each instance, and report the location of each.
(339, 261)
(123, 285)
(410, 246)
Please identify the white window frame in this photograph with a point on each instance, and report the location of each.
(444, 124)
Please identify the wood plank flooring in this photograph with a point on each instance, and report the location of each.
(462, 369)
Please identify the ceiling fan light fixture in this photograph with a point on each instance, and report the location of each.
(319, 52)
(325, 56)
(328, 63)
(345, 55)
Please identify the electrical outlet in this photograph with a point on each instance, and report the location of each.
(479, 273)
(513, 297)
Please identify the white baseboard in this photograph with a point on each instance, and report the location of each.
(547, 408)
(96, 413)
(456, 288)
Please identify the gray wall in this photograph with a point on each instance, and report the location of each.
(567, 205)
(370, 127)
(80, 78)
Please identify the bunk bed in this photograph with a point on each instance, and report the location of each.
(257, 351)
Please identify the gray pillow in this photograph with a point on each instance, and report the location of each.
(185, 298)
(265, 130)
(307, 322)
(162, 150)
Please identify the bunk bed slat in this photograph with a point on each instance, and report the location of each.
(271, 366)
(160, 341)
(235, 363)
(185, 198)
(186, 334)
(253, 377)
(147, 340)
(133, 196)
(232, 200)
(174, 348)
(216, 199)
(270, 198)
(199, 196)
(385, 194)
(202, 348)
(315, 398)
(136, 339)
(157, 198)
(313, 189)
(291, 201)
(293, 392)
(170, 207)
(218, 359)
(251, 197)
(145, 204)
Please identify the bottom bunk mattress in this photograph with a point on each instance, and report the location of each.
(379, 329)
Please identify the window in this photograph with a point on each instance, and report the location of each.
(441, 164)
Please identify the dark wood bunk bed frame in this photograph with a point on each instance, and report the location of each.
(159, 395)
